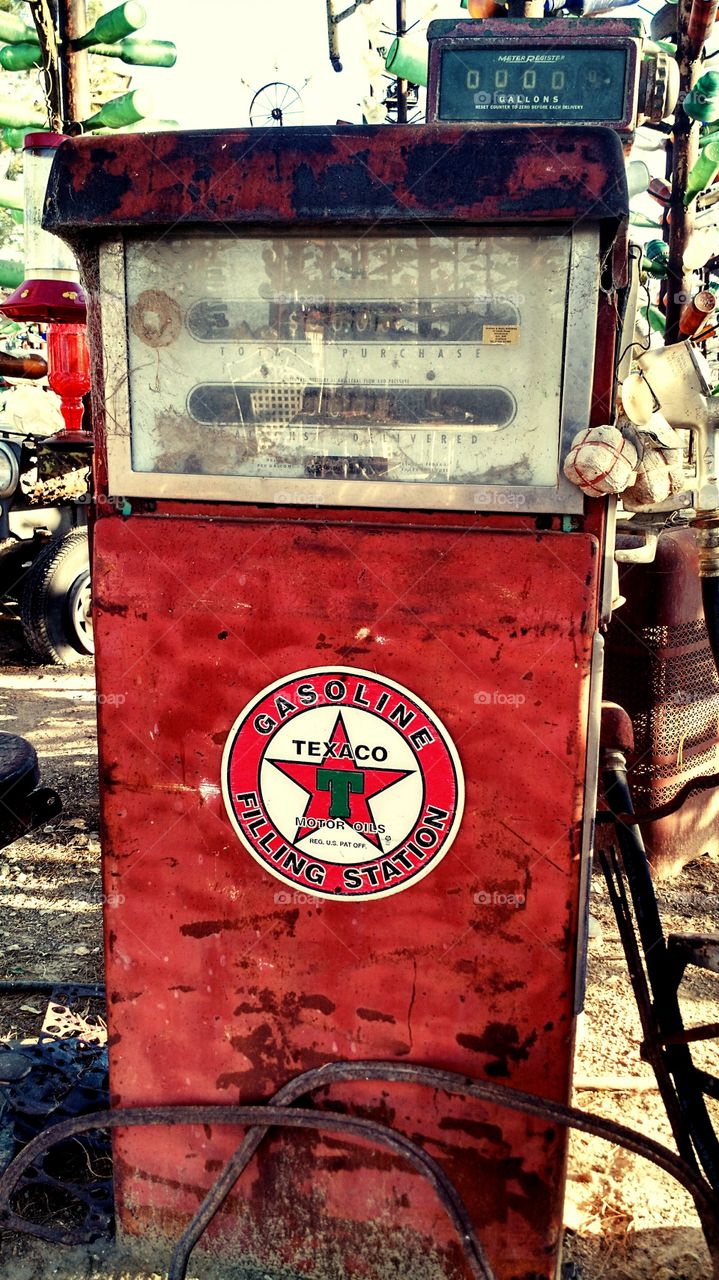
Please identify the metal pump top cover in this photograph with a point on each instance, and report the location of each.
(442, 173)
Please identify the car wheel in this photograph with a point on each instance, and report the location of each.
(55, 606)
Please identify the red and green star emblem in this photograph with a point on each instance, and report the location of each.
(340, 788)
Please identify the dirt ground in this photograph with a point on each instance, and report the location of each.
(625, 1219)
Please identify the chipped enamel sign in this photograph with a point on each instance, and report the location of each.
(343, 784)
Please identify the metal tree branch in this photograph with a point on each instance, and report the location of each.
(44, 19)
(333, 20)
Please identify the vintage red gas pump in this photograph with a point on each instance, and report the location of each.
(352, 607)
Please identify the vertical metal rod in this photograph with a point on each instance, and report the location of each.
(332, 40)
(401, 84)
(44, 16)
(72, 23)
(686, 151)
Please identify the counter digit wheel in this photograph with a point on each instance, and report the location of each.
(55, 606)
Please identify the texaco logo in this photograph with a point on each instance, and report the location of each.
(342, 784)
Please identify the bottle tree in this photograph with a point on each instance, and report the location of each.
(57, 86)
(68, 41)
(47, 49)
(21, 107)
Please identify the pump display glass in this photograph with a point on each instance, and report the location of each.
(425, 360)
(570, 85)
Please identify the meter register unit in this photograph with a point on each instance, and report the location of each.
(549, 71)
(352, 606)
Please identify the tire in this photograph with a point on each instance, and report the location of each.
(55, 604)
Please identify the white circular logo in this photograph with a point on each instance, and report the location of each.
(342, 783)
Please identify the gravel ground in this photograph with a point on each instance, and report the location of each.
(625, 1220)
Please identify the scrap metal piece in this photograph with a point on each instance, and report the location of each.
(40, 1084)
(62, 1023)
(266, 1116)
(699, 949)
(13, 1066)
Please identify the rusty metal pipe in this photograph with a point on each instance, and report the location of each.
(73, 23)
(263, 1117)
(283, 1117)
(685, 153)
(701, 21)
(46, 986)
(451, 1082)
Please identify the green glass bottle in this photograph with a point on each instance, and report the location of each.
(703, 173)
(15, 138)
(709, 133)
(407, 61)
(11, 273)
(657, 321)
(140, 53)
(14, 115)
(20, 57)
(122, 111)
(148, 125)
(656, 258)
(702, 102)
(15, 31)
(113, 26)
(12, 195)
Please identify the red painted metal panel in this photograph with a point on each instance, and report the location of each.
(221, 989)
(326, 175)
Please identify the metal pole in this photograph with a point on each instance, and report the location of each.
(401, 84)
(686, 151)
(332, 41)
(44, 15)
(73, 23)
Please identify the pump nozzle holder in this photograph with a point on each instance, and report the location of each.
(680, 380)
